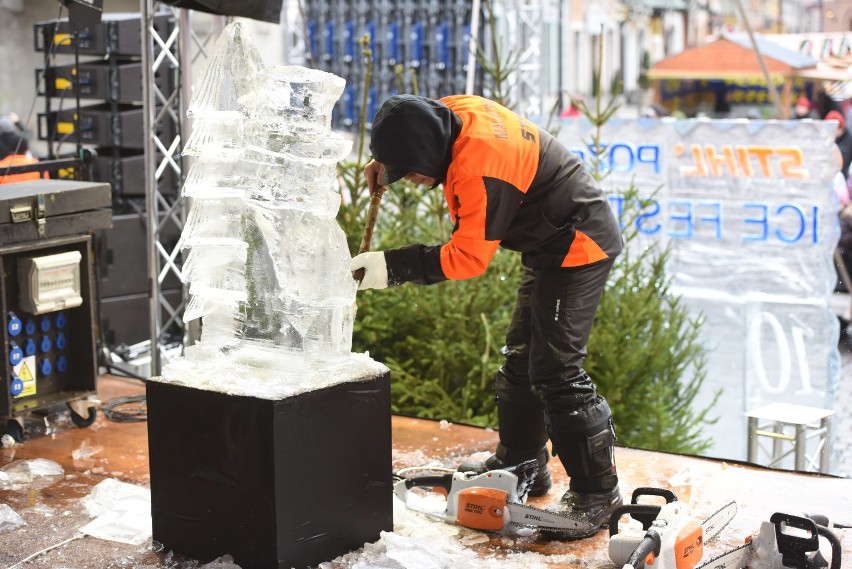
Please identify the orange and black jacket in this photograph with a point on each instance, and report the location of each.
(507, 184)
(18, 160)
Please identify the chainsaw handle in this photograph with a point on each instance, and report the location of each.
(444, 481)
(648, 491)
(835, 545)
(793, 546)
(645, 513)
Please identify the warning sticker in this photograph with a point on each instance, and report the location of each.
(24, 373)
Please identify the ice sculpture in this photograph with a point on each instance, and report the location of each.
(266, 262)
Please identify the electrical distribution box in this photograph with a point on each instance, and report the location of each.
(49, 283)
(47, 294)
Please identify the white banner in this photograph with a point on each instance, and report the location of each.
(750, 213)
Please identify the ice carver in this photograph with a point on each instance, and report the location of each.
(508, 183)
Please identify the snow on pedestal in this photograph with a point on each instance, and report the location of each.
(269, 439)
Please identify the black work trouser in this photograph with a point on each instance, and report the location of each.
(542, 389)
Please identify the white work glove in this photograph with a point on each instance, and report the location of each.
(375, 269)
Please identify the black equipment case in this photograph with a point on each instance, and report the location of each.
(48, 296)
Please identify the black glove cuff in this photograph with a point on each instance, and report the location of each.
(418, 264)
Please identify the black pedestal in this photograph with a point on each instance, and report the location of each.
(276, 484)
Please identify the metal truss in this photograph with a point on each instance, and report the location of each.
(524, 23)
(294, 25)
(172, 49)
(161, 54)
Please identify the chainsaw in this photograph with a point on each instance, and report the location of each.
(785, 541)
(492, 501)
(670, 538)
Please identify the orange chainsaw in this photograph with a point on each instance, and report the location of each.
(492, 501)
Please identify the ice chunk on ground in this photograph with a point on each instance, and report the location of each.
(9, 518)
(85, 451)
(23, 472)
(16, 473)
(224, 562)
(45, 467)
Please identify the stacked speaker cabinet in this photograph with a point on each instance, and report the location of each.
(111, 115)
(100, 68)
(123, 284)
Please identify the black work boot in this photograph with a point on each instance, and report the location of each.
(594, 508)
(583, 440)
(504, 458)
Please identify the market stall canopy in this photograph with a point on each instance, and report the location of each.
(731, 56)
(838, 77)
(833, 51)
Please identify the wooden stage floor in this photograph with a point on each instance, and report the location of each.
(53, 513)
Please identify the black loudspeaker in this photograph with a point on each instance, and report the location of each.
(124, 319)
(264, 10)
(122, 256)
(84, 14)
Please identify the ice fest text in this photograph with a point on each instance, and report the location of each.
(720, 219)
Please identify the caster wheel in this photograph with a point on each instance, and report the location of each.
(81, 421)
(15, 430)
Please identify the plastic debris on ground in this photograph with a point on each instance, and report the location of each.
(123, 512)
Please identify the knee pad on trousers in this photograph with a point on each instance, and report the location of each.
(584, 443)
(520, 415)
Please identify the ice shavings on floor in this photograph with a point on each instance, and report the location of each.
(419, 541)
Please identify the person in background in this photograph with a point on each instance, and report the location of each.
(15, 150)
(571, 110)
(841, 185)
(11, 122)
(844, 247)
(843, 138)
(722, 103)
(825, 104)
(803, 110)
(847, 113)
(510, 184)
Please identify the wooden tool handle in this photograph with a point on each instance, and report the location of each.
(372, 215)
